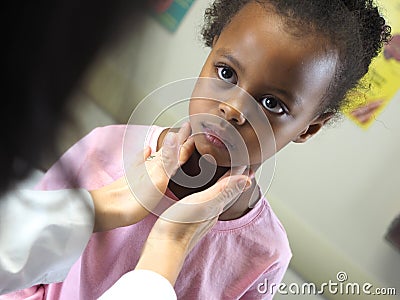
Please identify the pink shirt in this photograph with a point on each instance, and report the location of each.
(230, 262)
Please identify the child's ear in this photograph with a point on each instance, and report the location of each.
(313, 127)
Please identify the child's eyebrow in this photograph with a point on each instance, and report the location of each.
(228, 55)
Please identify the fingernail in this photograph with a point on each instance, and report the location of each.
(243, 184)
(169, 139)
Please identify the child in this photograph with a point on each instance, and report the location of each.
(298, 59)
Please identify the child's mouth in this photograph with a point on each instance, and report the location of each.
(214, 136)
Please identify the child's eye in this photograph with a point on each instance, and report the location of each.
(227, 74)
(272, 104)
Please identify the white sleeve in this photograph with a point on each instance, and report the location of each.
(42, 234)
(141, 284)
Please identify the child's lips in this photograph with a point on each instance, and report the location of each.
(217, 136)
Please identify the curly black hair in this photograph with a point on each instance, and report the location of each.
(355, 28)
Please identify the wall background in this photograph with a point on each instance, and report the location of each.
(336, 194)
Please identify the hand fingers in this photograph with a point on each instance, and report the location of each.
(238, 170)
(186, 143)
(140, 157)
(170, 154)
(230, 194)
(146, 178)
(241, 170)
(177, 148)
(146, 153)
(184, 133)
(186, 150)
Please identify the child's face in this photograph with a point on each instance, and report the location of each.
(286, 75)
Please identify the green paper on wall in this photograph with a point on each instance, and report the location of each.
(169, 13)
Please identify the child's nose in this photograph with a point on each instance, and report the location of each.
(231, 114)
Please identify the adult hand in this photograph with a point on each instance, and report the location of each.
(173, 235)
(121, 204)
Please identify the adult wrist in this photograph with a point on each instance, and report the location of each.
(164, 257)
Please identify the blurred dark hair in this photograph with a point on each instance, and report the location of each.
(48, 46)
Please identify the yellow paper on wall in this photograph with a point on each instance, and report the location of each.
(383, 74)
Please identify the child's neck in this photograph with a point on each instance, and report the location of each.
(181, 184)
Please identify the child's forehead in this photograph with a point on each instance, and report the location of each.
(254, 11)
(268, 20)
(262, 15)
(256, 34)
(259, 28)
